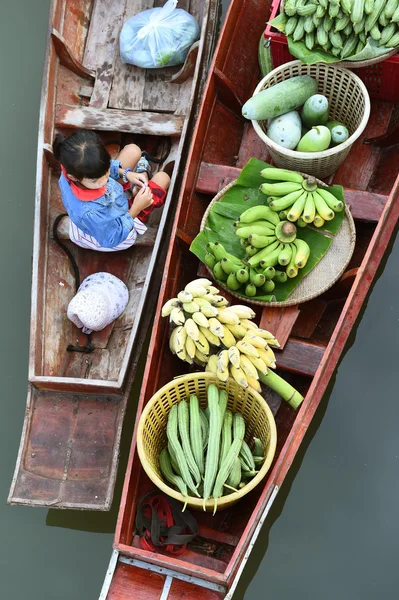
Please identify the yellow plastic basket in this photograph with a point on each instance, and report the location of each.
(349, 102)
(151, 435)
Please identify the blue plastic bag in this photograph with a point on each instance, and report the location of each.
(158, 37)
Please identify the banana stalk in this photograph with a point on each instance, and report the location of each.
(282, 387)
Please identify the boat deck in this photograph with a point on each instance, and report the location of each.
(312, 335)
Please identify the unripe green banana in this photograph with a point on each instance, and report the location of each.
(228, 266)
(279, 189)
(262, 254)
(269, 272)
(257, 279)
(322, 207)
(302, 253)
(296, 210)
(219, 273)
(268, 286)
(271, 260)
(261, 241)
(285, 256)
(232, 282)
(318, 221)
(280, 277)
(210, 260)
(259, 212)
(309, 210)
(242, 275)
(251, 250)
(265, 230)
(284, 202)
(292, 269)
(276, 174)
(333, 202)
(250, 290)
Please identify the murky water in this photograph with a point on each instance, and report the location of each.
(337, 536)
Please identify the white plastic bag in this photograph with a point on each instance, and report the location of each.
(158, 37)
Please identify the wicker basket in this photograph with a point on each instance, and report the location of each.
(349, 102)
(151, 435)
(321, 278)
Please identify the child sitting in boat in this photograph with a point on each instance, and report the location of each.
(95, 191)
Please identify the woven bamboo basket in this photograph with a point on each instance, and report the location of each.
(323, 276)
(151, 434)
(349, 102)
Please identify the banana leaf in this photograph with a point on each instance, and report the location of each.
(244, 194)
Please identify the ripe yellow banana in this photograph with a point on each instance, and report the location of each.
(202, 344)
(172, 339)
(247, 324)
(237, 330)
(234, 356)
(223, 360)
(190, 347)
(200, 319)
(218, 301)
(192, 329)
(263, 333)
(202, 302)
(169, 306)
(228, 338)
(177, 316)
(201, 281)
(227, 317)
(195, 290)
(211, 337)
(239, 375)
(255, 340)
(216, 327)
(213, 290)
(180, 342)
(200, 356)
(185, 296)
(209, 310)
(254, 384)
(247, 348)
(242, 312)
(212, 364)
(259, 364)
(247, 366)
(190, 307)
(267, 355)
(222, 375)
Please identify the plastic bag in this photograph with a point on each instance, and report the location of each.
(158, 37)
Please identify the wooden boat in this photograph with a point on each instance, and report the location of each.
(76, 401)
(312, 335)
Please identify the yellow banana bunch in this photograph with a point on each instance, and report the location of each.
(204, 322)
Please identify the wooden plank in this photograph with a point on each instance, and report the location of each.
(279, 321)
(210, 176)
(67, 59)
(252, 145)
(300, 357)
(100, 119)
(182, 590)
(103, 34)
(132, 582)
(349, 174)
(187, 70)
(226, 93)
(309, 317)
(147, 239)
(128, 82)
(365, 206)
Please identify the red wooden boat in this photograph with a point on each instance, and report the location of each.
(76, 401)
(312, 335)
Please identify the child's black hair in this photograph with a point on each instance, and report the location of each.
(82, 154)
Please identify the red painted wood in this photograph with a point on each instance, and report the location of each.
(309, 317)
(365, 206)
(300, 357)
(349, 174)
(226, 92)
(306, 364)
(138, 584)
(279, 321)
(181, 590)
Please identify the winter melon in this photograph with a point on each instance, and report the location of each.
(280, 98)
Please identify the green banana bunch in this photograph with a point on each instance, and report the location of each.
(342, 27)
(308, 203)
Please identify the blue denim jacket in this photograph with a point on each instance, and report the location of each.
(106, 219)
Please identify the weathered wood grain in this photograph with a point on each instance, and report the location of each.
(149, 123)
(67, 59)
